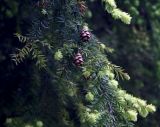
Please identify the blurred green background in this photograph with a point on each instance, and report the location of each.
(137, 49)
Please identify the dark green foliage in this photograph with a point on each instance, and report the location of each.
(67, 25)
(56, 95)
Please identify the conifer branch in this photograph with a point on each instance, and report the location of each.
(119, 71)
(22, 38)
(22, 53)
(30, 46)
(111, 7)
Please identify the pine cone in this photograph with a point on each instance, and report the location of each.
(78, 59)
(85, 35)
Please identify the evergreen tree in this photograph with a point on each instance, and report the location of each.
(77, 85)
(136, 47)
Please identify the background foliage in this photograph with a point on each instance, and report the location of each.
(136, 48)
